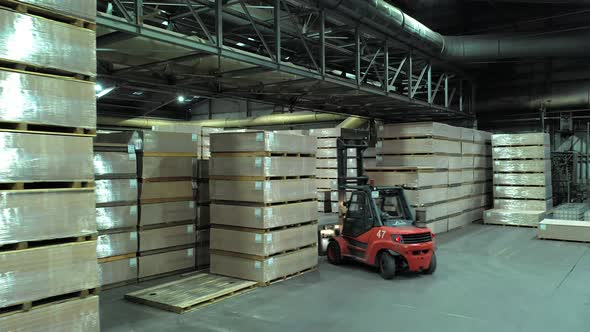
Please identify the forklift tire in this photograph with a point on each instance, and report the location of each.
(333, 252)
(387, 265)
(432, 266)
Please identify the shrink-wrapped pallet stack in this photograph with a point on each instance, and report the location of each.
(167, 217)
(263, 206)
(327, 166)
(115, 170)
(48, 270)
(436, 164)
(522, 179)
(202, 190)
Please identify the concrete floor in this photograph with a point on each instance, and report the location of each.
(489, 278)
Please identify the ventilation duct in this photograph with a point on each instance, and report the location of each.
(389, 20)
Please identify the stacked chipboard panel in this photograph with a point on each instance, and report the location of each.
(202, 192)
(454, 191)
(263, 206)
(522, 179)
(167, 217)
(48, 270)
(115, 170)
(327, 166)
(569, 223)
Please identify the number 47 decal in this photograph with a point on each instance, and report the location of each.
(381, 233)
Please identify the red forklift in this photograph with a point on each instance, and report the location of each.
(379, 227)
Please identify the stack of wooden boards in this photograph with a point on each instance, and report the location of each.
(444, 169)
(115, 170)
(327, 166)
(48, 269)
(569, 223)
(202, 179)
(167, 235)
(522, 179)
(263, 206)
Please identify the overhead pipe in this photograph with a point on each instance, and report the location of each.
(266, 120)
(391, 21)
(352, 122)
(563, 96)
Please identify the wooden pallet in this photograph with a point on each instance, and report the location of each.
(166, 224)
(27, 68)
(421, 137)
(117, 258)
(27, 8)
(46, 185)
(166, 179)
(191, 293)
(164, 200)
(169, 154)
(510, 225)
(259, 178)
(261, 204)
(259, 258)
(262, 231)
(30, 305)
(261, 154)
(25, 127)
(167, 249)
(287, 277)
(47, 242)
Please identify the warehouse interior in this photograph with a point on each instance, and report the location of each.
(289, 165)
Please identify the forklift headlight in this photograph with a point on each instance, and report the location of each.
(396, 238)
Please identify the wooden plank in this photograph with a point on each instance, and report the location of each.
(190, 293)
(170, 154)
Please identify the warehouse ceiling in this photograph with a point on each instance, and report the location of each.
(173, 64)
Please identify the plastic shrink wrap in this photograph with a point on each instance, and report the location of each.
(46, 214)
(43, 272)
(261, 166)
(262, 141)
(114, 165)
(166, 262)
(38, 158)
(117, 271)
(158, 141)
(46, 43)
(116, 191)
(263, 217)
(160, 167)
(173, 190)
(520, 139)
(79, 315)
(85, 9)
(511, 217)
(269, 191)
(116, 244)
(159, 213)
(419, 129)
(264, 269)
(113, 217)
(165, 237)
(45, 100)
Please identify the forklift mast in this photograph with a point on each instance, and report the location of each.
(359, 141)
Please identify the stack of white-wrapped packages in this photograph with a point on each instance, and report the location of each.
(522, 179)
(115, 170)
(327, 166)
(263, 206)
(443, 169)
(48, 266)
(167, 216)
